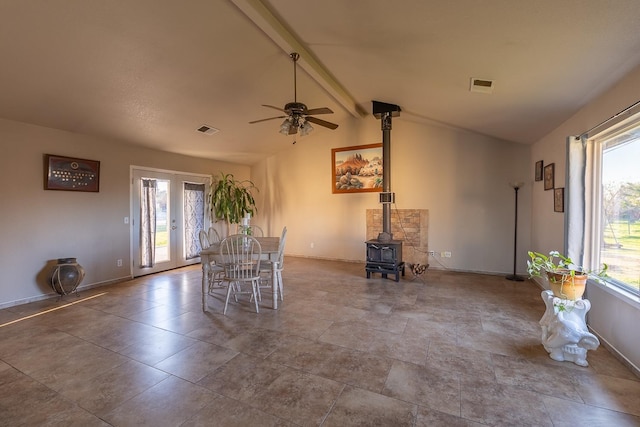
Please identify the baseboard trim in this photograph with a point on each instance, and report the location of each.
(621, 358)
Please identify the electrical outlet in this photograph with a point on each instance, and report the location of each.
(432, 253)
(119, 263)
(447, 254)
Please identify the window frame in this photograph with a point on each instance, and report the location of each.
(594, 211)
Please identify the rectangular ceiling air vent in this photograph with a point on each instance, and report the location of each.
(481, 85)
(207, 130)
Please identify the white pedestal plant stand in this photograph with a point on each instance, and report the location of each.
(564, 331)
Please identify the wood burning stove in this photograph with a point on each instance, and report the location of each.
(384, 258)
(384, 255)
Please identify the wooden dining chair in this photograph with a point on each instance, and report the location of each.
(213, 271)
(277, 265)
(241, 260)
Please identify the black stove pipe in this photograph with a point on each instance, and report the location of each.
(384, 112)
(385, 122)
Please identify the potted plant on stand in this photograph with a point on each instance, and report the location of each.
(565, 335)
(567, 280)
(231, 200)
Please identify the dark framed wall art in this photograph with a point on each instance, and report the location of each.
(356, 169)
(71, 174)
(539, 170)
(558, 199)
(548, 176)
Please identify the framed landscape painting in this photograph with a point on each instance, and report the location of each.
(356, 169)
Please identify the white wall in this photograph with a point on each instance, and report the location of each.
(38, 226)
(462, 178)
(610, 317)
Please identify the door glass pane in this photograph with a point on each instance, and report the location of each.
(163, 215)
(620, 247)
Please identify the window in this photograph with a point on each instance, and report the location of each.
(614, 169)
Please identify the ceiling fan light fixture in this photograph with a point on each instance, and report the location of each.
(306, 128)
(285, 126)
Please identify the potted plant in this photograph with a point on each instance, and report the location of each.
(568, 281)
(230, 199)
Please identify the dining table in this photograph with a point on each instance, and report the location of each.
(269, 251)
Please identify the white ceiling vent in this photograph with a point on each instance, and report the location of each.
(481, 85)
(207, 130)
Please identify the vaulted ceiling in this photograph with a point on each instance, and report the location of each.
(151, 72)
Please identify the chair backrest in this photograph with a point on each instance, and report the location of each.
(256, 231)
(204, 239)
(213, 236)
(241, 257)
(251, 230)
(283, 240)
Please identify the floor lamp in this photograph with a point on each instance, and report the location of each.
(516, 186)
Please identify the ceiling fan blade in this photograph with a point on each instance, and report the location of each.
(270, 118)
(322, 122)
(323, 110)
(275, 108)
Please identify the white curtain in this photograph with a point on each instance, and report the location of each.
(193, 218)
(148, 222)
(576, 203)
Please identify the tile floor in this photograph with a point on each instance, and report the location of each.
(455, 350)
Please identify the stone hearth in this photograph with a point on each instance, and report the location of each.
(413, 232)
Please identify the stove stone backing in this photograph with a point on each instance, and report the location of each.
(414, 231)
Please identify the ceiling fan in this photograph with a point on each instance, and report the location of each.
(298, 116)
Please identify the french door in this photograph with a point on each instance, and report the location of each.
(168, 211)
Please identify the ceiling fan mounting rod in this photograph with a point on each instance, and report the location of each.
(295, 56)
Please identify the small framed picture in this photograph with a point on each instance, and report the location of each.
(548, 176)
(539, 170)
(558, 199)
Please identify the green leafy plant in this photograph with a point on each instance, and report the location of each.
(231, 199)
(555, 262)
(561, 271)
